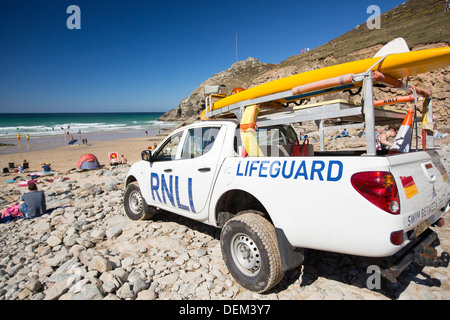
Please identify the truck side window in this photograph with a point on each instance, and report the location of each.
(169, 150)
(199, 141)
(274, 141)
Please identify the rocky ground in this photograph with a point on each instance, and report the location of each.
(87, 249)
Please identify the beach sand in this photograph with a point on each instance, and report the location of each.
(65, 158)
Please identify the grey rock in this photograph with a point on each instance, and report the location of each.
(125, 291)
(33, 285)
(53, 241)
(100, 264)
(139, 285)
(113, 232)
(58, 289)
(88, 292)
(147, 295)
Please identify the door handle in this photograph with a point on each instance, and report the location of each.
(204, 169)
(167, 170)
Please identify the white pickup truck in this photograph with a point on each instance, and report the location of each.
(272, 207)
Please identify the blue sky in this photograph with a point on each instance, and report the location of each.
(149, 55)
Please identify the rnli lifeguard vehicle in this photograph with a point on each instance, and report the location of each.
(243, 169)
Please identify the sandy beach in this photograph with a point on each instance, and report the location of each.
(65, 158)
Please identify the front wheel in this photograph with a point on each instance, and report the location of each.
(135, 206)
(250, 250)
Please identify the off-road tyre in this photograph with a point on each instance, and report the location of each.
(250, 250)
(135, 206)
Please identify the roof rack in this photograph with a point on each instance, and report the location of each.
(368, 113)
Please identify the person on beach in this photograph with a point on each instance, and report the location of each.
(123, 160)
(382, 142)
(25, 164)
(46, 167)
(343, 134)
(32, 203)
(302, 135)
(437, 134)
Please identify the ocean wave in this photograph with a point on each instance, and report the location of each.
(10, 132)
(43, 124)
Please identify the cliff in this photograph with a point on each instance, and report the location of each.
(422, 23)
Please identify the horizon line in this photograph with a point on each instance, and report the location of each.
(83, 112)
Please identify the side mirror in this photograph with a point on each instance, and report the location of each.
(146, 155)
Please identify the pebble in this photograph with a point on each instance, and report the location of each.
(92, 251)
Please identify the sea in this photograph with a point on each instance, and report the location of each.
(53, 129)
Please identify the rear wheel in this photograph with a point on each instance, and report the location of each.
(135, 206)
(250, 250)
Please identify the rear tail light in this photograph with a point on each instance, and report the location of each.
(379, 188)
(397, 237)
(440, 222)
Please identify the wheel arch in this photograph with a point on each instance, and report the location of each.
(232, 202)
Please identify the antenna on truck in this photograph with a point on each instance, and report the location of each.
(236, 48)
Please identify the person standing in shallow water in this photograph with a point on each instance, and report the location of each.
(33, 203)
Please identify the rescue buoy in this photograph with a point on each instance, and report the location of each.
(248, 126)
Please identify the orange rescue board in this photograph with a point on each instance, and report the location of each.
(398, 66)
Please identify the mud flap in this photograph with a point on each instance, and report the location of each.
(291, 257)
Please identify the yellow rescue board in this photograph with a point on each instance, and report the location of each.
(399, 66)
